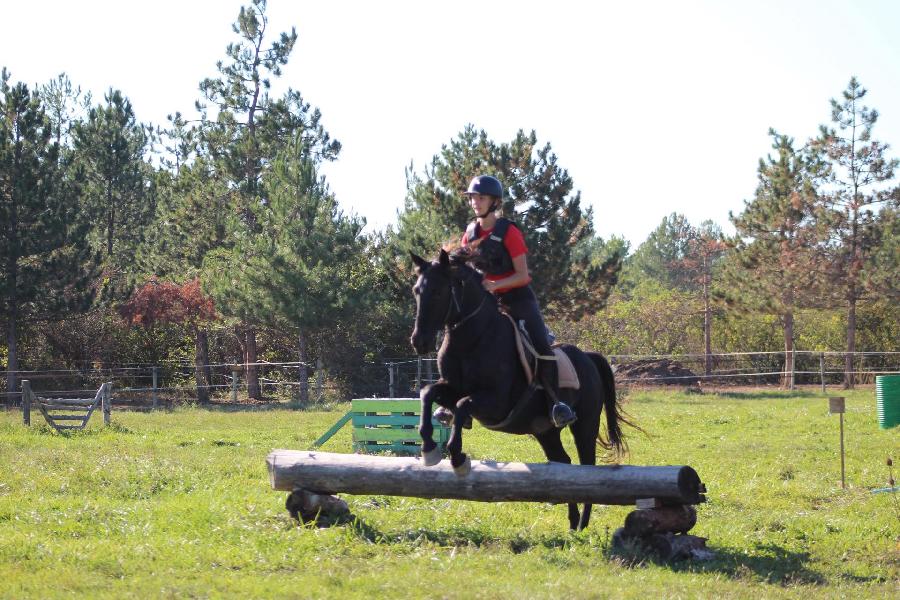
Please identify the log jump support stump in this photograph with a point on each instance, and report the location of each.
(662, 528)
(664, 496)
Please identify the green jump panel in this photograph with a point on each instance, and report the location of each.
(386, 425)
(368, 420)
(391, 425)
(386, 405)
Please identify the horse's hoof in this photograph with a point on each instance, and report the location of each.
(432, 457)
(464, 469)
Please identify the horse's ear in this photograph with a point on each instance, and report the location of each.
(444, 259)
(421, 263)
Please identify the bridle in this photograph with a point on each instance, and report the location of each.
(455, 302)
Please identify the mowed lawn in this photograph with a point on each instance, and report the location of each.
(178, 504)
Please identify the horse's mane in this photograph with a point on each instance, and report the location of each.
(466, 256)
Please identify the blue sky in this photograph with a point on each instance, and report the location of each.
(653, 107)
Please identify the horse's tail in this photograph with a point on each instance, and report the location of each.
(615, 415)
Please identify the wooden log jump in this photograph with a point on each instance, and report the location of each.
(664, 496)
(329, 473)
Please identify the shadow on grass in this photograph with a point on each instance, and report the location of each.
(454, 537)
(114, 428)
(771, 565)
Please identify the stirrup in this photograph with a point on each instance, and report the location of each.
(443, 416)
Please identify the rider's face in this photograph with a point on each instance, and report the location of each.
(480, 203)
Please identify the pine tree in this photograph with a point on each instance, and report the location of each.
(659, 256)
(248, 129)
(304, 267)
(65, 104)
(540, 199)
(46, 262)
(704, 253)
(858, 164)
(683, 258)
(885, 263)
(774, 266)
(110, 146)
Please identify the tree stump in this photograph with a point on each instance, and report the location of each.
(662, 530)
(322, 509)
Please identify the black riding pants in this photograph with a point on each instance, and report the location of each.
(522, 305)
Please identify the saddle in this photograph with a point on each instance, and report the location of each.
(568, 378)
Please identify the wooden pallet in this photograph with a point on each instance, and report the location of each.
(386, 425)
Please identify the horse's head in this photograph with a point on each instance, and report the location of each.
(439, 292)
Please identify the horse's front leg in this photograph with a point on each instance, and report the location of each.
(444, 395)
(458, 459)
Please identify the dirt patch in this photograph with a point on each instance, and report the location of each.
(665, 371)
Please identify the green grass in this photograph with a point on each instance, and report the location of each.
(178, 505)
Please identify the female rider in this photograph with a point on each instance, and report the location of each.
(503, 262)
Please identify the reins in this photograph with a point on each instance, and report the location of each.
(455, 302)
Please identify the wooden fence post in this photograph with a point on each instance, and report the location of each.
(320, 380)
(106, 400)
(419, 373)
(154, 393)
(822, 370)
(234, 384)
(390, 367)
(26, 402)
(793, 367)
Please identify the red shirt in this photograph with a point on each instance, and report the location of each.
(514, 242)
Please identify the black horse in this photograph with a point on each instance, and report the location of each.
(482, 376)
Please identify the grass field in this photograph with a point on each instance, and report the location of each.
(178, 504)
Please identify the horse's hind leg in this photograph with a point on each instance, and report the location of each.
(554, 451)
(585, 443)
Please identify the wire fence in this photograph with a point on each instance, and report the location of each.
(166, 384)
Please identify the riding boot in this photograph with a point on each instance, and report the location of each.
(561, 414)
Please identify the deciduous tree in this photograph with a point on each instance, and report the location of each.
(185, 304)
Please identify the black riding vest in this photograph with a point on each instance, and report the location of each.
(494, 258)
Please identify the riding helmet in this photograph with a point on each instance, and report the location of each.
(487, 185)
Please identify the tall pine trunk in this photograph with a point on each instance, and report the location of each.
(12, 361)
(302, 371)
(203, 340)
(199, 366)
(849, 378)
(111, 219)
(788, 379)
(707, 326)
